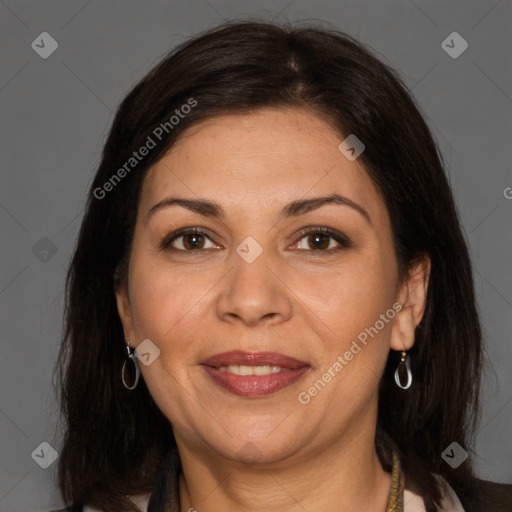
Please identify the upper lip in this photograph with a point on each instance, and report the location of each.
(241, 358)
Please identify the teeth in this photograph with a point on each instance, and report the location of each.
(250, 370)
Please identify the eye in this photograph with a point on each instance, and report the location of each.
(187, 240)
(321, 238)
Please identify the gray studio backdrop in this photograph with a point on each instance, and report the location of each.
(65, 67)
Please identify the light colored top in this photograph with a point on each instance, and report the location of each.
(412, 502)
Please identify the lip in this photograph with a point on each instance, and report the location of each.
(239, 357)
(254, 385)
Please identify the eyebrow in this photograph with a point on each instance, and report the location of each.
(295, 208)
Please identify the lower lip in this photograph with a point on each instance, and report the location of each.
(255, 385)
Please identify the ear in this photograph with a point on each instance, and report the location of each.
(412, 296)
(123, 304)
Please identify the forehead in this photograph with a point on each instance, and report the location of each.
(260, 160)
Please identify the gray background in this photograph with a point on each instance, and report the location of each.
(55, 116)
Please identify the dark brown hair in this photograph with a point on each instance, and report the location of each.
(114, 439)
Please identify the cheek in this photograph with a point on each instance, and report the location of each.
(354, 297)
(148, 307)
(162, 297)
(356, 305)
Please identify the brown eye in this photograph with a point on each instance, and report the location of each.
(320, 239)
(193, 241)
(187, 240)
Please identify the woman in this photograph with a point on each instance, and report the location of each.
(272, 231)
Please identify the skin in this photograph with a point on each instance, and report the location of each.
(306, 304)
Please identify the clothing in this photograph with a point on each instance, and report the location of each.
(486, 496)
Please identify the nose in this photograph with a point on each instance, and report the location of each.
(253, 294)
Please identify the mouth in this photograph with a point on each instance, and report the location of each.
(254, 374)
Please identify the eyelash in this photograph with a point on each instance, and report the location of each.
(343, 240)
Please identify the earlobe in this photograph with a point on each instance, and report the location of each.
(412, 297)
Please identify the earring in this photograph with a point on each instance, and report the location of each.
(131, 357)
(404, 362)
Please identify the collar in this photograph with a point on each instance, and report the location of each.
(166, 496)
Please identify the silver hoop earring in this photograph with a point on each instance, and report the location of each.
(404, 362)
(133, 358)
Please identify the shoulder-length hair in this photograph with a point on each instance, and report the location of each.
(114, 440)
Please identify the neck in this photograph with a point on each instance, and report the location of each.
(345, 475)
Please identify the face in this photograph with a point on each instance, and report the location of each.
(250, 268)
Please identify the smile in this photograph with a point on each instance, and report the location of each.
(250, 370)
(253, 374)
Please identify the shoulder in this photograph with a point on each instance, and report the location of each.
(475, 496)
(450, 502)
(69, 509)
(486, 495)
(77, 508)
(140, 500)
